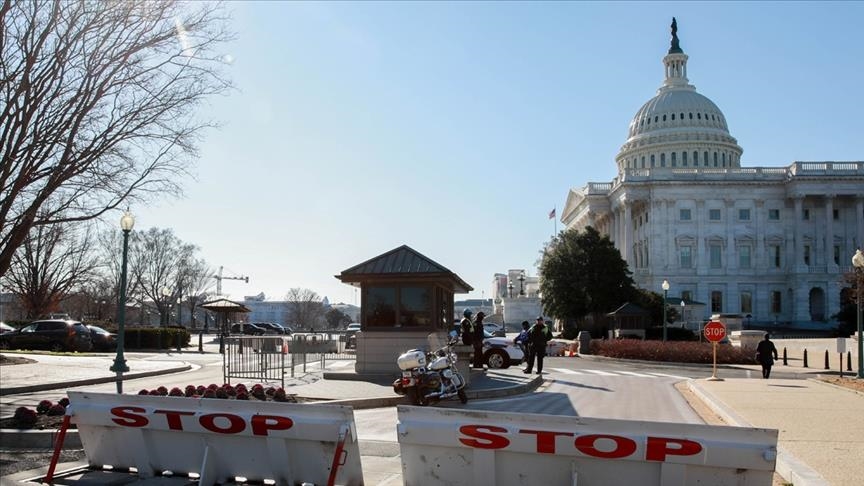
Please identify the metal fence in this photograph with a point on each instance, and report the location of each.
(267, 359)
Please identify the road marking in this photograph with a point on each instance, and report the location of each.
(567, 372)
(602, 373)
(677, 377)
(640, 375)
(340, 364)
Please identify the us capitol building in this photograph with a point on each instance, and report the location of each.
(769, 242)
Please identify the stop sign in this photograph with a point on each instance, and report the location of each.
(715, 331)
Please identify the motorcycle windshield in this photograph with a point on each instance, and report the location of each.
(436, 340)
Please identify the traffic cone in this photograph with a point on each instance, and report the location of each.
(284, 346)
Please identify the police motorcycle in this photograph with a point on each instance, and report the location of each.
(430, 377)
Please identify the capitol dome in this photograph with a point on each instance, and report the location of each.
(678, 127)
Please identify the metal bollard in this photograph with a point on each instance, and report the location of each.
(826, 360)
(805, 357)
(200, 342)
(848, 360)
(179, 343)
(785, 362)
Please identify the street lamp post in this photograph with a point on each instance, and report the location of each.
(127, 222)
(510, 288)
(858, 263)
(665, 286)
(521, 283)
(683, 321)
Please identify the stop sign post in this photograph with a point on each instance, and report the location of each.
(714, 331)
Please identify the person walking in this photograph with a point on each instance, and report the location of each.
(477, 340)
(538, 336)
(466, 327)
(766, 354)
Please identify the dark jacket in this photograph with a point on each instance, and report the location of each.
(466, 328)
(538, 336)
(766, 352)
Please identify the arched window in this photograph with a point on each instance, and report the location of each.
(715, 159)
(682, 116)
(652, 160)
(662, 160)
(684, 158)
(664, 117)
(643, 161)
(695, 159)
(699, 115)
(705, 159)
(673, 159)
(673, 116)
(691, 115)
(655, 119)
(724, 159)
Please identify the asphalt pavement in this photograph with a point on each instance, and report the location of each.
(821, 426)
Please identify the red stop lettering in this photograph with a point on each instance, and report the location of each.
(262, 423)
(484, 438)
(128, 418)
(658, 448)
(236, 423)
(546, 439)
(173, 418)
(623, 446)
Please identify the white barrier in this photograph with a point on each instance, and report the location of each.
(220, 440)
(459, 447)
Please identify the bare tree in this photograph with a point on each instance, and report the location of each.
(304, 307)
(196, 279)
(97, 107)
(155, 260)
(51, 262)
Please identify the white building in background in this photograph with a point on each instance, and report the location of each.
(767, 242)
(278, 311)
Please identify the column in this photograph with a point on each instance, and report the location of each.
(628, 232)
(730, 264)
(798, 248)
(700, 258)
(759, 262)
(830, 266)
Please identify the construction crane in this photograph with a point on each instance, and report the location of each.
(219, 278)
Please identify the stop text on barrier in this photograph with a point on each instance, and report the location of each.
(602, 446)
(219, 423)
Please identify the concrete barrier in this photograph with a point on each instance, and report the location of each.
(460, 447)
(219, 440)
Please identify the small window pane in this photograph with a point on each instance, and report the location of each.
(714, 214)
(744, 257)
(684, 215)
(746, 303)
(382, 307)
(716, 253)
(686, 257)
(415, 307)
(744, 214)
(716, 301)
(774, 214)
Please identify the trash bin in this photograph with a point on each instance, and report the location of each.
(584, 342)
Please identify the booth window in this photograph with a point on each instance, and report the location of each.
(396, 306)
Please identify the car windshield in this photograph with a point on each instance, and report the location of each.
(98, 330)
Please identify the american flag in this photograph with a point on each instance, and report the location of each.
(552, 214)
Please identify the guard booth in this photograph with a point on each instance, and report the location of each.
(404, 297)
(226, 312)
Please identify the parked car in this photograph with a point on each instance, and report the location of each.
(494, 329)
(248, 329)
(350, 335)
(102, 339)
(272, 328)
(498, 352)
(50, 334)
(4, 328)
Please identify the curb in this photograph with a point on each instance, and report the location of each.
(89, 381)
(787, 465)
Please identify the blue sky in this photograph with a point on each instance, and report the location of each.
(456, 127)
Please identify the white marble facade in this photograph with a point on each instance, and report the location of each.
(771, 242)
